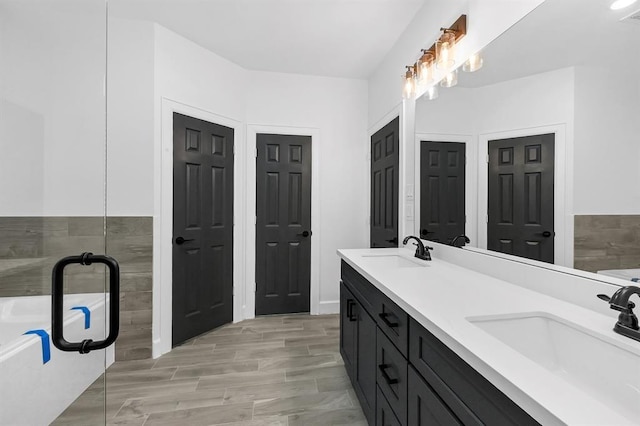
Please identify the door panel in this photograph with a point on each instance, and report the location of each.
(385, 160)
(202, 227)
(442, 192)
(521, 174)
(283, 224)
(53, 177)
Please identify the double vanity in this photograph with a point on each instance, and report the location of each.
(435, 342)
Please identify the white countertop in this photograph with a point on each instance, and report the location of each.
(441, 296)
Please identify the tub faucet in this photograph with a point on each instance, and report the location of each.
(422, 251)
(454, 240)
(627, 324)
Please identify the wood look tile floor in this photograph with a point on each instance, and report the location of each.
(275, 370)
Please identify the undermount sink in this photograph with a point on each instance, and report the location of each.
(395, 261)
(590, 361)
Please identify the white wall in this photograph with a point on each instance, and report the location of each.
(130, 124)
(529, 102)
(188, 73)
(607, 140)
(53, 107)
(22, 160)
(337, 109)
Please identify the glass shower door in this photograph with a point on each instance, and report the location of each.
(52, 207)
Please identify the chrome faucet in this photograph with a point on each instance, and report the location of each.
(454, 240)
(422, 251)
(627, 324)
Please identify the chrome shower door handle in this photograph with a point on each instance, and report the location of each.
(57, 300)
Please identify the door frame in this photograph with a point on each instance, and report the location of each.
(315, 306)
(163, 219)
(562, 194)
(470, 192)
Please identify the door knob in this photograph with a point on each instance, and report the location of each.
(180, 241)
(304, 234)
(547, 234)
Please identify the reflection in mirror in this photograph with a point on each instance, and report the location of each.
(537, 154)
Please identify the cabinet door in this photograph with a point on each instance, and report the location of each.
(347, 329)
(384, 413)
(365, 366)
(425, 407)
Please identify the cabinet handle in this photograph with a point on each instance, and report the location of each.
(350, 304)
(383, 316)
(385, 375)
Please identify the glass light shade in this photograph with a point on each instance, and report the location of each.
(474, 63)
(408, 85)
(450, 80)
(431, 93)
(445, 51)
(621, 4)
(425, 68)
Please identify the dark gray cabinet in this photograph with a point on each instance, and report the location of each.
(425, 407)
(347, 329)
(358, 350)
(392, 376)
(403, 375)
(384, 413)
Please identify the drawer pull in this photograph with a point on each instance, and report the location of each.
(350, 304)
(387, 378)
(383, 316)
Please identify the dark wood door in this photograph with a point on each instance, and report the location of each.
(521, 197)
(202, 226)
(283, 224)
(385, 164)
(442, 190)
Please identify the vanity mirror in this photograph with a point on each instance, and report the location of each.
(537, 153)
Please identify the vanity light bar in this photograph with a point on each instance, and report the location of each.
(439, 55)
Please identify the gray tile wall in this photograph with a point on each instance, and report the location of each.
(606, 242)
(30, 246)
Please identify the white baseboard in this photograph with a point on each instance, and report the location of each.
(329, 307)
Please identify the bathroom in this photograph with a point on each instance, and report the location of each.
(91, 89)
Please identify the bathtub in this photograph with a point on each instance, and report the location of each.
(35, 388)
(624, 274)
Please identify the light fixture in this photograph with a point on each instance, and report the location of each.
(445, 51)
(425, 66)
(440, 55)
(409, 83)
(621, 4)
(446, 44)
(450, 80)
(473, 64)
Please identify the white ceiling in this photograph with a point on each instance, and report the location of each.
(559, 34)
(337, 38)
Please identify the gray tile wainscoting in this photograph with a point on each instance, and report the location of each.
(30, 246)
(606, 242)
